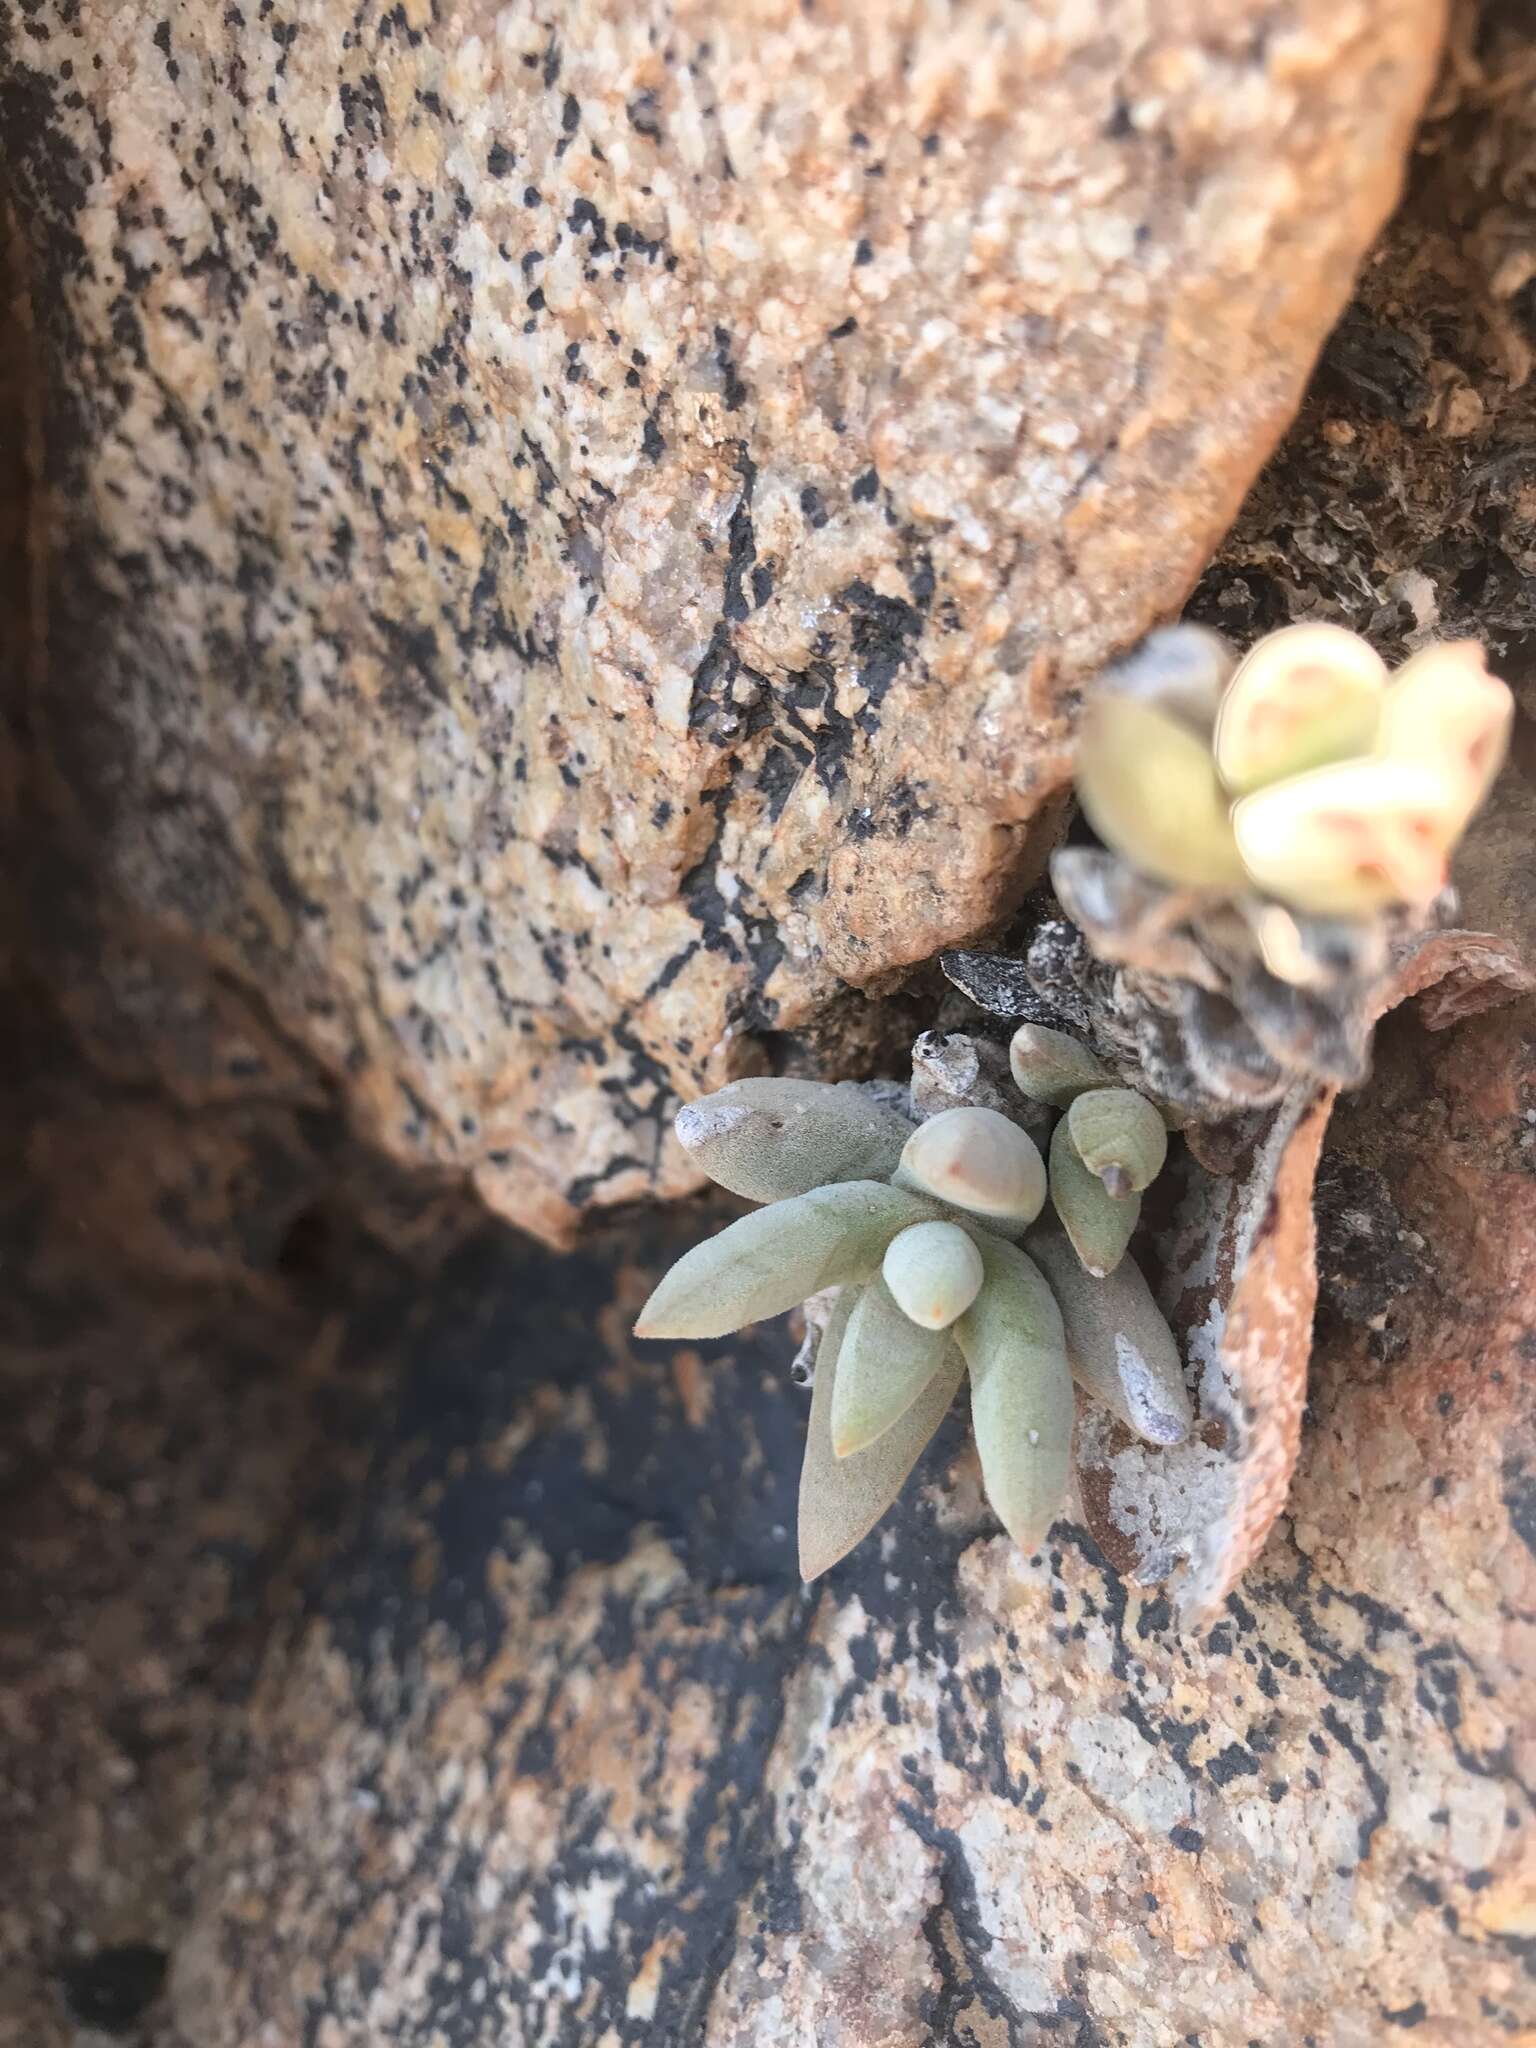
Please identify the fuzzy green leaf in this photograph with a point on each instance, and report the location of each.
(1021, 1393)
(1118, 1345)
(768, 1138)
(1117, 1131)
(884, 1364)
(1048, 1066)
(1099, 1224)
(841, 1499)
(768, 1262)
(934, 1271)
(978, 1160)
(1148, 785)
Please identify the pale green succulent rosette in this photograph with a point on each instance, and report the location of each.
(928, 1282)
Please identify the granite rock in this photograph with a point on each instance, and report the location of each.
(572, 534)
(557, 1749)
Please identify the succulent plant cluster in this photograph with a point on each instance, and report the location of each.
(923, 1246)
(1304, 777)
(1273, 827)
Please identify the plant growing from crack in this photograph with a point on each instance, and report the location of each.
(921, 1252)
(1275, 831)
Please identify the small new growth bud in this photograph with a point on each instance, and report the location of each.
(979, 1161)
(1120, 1137)
(934, 1271)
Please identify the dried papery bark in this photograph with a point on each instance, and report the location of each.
(1240, 1286)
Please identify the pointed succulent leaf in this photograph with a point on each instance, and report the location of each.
(1443, 707)
(884, 1364)
(934, 1272)
(1099, 1225)
(769, 1261)
(841, 1499)
(1119, 1137)
(1302, 697)
(979, 1161)
(1348, 840)
(1119, 1346)
(1051, 1067)
(1148, 785)
(768, 1138)
(1021, 1393)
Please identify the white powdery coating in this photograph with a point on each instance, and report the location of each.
(701, 1123)
(1142, 1394)
(1160, 1500)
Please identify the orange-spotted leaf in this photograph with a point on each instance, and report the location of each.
(1303, 697)
(1350, 839)
(1444, 708)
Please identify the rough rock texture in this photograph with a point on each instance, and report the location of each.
(549, 1745)
(412, 1666)
(573, 532)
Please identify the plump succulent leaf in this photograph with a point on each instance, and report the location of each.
(1444, 708)
(979, 1161)
(1119, 1346)
(841, 1499)
(769, 1138)
(1021, 1393)
(1048, 1066)
(777, 1257)
(1119, 1137)
(1302, 697)
(884, 1364)
(1148, 785)
(934, 1273)
(1099, 1225)
(1348, 840)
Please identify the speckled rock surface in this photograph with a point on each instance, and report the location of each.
(558, 1750)
(574, 532)
(417, 1660)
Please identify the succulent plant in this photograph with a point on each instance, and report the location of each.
(1305, 776)
(902, 1239)
(1276, 831)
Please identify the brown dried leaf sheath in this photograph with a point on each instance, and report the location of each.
(1240, 1288)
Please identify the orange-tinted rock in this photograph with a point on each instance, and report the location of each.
(575, 538)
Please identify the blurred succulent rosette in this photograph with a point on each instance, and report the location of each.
(1274, 829)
